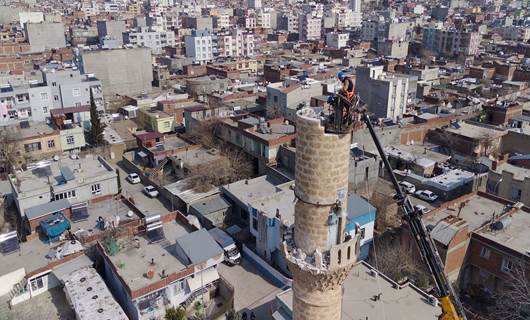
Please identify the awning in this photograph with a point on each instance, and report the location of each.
(79, 212)
(198, 281)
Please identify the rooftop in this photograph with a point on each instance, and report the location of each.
(477, 211)
(267, 130)
(251, 189)
(210, 205)
(281, 201)
(196, 156)
(519, 173)
(133, 261)
(360, 304)
(199, 246)
(66, 172)
(475, 132)
(169, 143)
(516, 233)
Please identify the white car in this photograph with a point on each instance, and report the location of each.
(407, 187)
(426, 195)
(151, 191)
(133, 178)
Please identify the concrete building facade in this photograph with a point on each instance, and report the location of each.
(309, 27)
(111, 30)
(199, 46)
(156, 41)
(113, 69)
(237, 43)
(384, 93)
(451, 41)
(45, 36)
(319, 254)
(337, 40)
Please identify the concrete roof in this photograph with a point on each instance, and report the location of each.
(37, 180)
(199, 246)
(477, 212)
(132, 263)
(519, 173)
(210, 204)
(516, 235)
(444, 232)
(283, 201)
(247, 191)
(406, 302)
(475, 132)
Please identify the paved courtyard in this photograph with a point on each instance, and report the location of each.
(50, 305)
(252, 291)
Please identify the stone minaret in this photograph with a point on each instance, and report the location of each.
(320, 255)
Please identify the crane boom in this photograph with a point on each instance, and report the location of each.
(451, 306)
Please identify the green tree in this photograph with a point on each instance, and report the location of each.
(96, 128)
(175, 314)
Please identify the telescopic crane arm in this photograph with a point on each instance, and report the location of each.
(452, 308)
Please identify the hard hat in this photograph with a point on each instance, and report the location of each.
(341, 75)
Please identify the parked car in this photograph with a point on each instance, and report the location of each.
(426, 195)
(133, 178)
(151, 191)
(407, 187)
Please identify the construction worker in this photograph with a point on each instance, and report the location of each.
(348, 85)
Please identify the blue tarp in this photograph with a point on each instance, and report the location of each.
(54, 225)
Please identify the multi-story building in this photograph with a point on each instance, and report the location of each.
(451, 41)
(29, 102)
(113, 30)
(237, 43)
(309, 27)
(69, 88)
(221, 21)
(263, 19)
(515, 33)
(145, 37)
(77, 180)
(288, 22)
(199, 46)
(384, 93)
(45, 35)
(393, 48)
(254, 4)
(337, 40)
(376, 29)
(284, 98)
(113, 69)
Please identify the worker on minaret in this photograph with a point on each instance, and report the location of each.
(348, 85)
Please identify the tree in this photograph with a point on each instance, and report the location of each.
(512, 301)
(96, 127)
(9, 150)
(175, 314)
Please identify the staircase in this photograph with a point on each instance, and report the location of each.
(19, 288)
(193, 296)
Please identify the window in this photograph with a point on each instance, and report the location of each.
(516, 194)
(30, 147)
(507, 265)
(166, 124)
(70, 140)
(485, 252)
(65, 195)
(51, 144)
(96, 188)
(54, 84)
(76, 92)
(44, 109)
(78, 104)
(363, 233)
(44, 96)
(56, 97)
(255, 224)
(37, 283)
(179, 287)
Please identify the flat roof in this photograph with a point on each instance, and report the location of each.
(133, 262)
(249, 190)
(476, 132)
(282, 201)
(477, 212)
(360, 288)
(90, 168)
(196, 156)
(46, 208)
(516, 235)
(519, 173)
(210, 204)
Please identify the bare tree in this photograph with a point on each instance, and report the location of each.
(393, 257)
(205, 133)
(512, 301)
(9, 150)
(232, 166)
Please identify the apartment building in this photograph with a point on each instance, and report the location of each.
(199, 46)
(309, 27)
(27, 102)
(451, 41)
(146, 37)
(78, 180)
(284, 98)
(337, 40)
(263, 19)
(288, 22)
(377, 29)
(112, 29)
(384, 93)
(236, 43)
(70, 88)
(45, 36)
